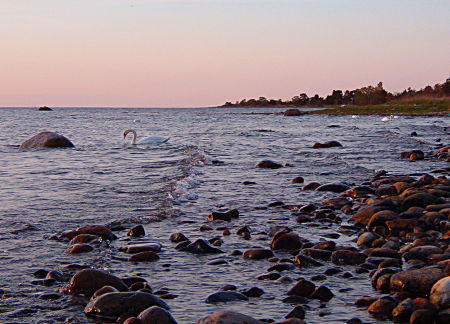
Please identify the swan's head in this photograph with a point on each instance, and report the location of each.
(125, 132)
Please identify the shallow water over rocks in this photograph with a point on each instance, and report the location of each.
(173, 187)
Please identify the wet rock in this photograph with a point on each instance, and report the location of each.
(281, 267)
(418, 281)
(297, 312)
(325, 245)
(205, 228)
(364, 214)
(302, 288)
(139, 286)
(178, 237)
(443, 317)
(228, 216)
(302, 260)
(317, 254)
(201, 247)
(382, 308)
(132, 320)
(383, 253)
(269, 276)
(47, 140)
(311, 186)
(258, 254)
(253, 292)
(341, 257)
(366, 239)
(99, 230)
(44, 282)
(145, 256)
(102, 291)
(117, 303)
(156, 315)
(137, 231)
(327, 144)
(225, 296)
(40, 273)
(381, 217)
(365, 301)
(228, 287)
(420, 200)
(333, 187)
(440, 293)
(423, 316)
(402, 312)
(79, 248)
(354, 320)
(322, 293)
(421, 252)
(293, 112)
(228, 317)
(45, 108)
(182, 245)
(129, 281)
(144, 247)
(268, 164)
(83, 238)
(286, 241)
(58, 276)
(298, 180)
(87, 281)
(50, 296)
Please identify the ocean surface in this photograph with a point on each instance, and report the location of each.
(172, 187)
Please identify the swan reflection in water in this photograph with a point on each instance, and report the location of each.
(145, 140)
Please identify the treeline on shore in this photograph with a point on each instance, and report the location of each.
(370, 95)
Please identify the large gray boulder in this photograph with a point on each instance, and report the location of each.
(47, 140)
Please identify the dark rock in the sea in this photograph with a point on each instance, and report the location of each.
(421, 199)
(286, 241)
(228, 216)
(322, 293)
(137, 231)
(302, 288)
(50, 296)
(317, 253)
(201, 247)
(311, 186)
(253, 292)
(365, 301)
(99, 230)
(297, 312)
(132, 320)
(268, 164)
(302, 260)
(354, 320)
(88, 281)
(298, 180)
(382, 308)
(145, 256)
(83, 238)
(129, 281)
(178, 237)
(440, 293)
(228, 287)
(258, 254)
(423, 316)
(102, 291)
(79, 248)
(366, 239)
(364, 214)
(137, 248)
(418, 281)
(225, 296)
(347, 257)
(156, 315)
(117, 303)
(269, 276)
(58, 276)
(281, 267)
(47, 140)
(228, 317)
(294, 112)
(45, 108)
(402, 312)
(40, 273)
(333, 187)
(327, 144)
(44, 282)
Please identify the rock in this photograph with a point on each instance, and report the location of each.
(402, 312)
(298, 180)
(302, 260)
(137, 231)
(228, 317)
(297, 312)
(267, 164)
(341, 257)
(102, 291)
(293, 112)
(327, 144)
(201, 247)
(440, 293)
(322, 293)
(269, 276)
(137, 248)
(423, 316)
(354, 320)
(178, 237)
(418, 281)
(228, 216)
(311, 186)
(382, 308)
(156, 315)
(325, 245)
(381, 217)
(364, 214)
(50, 296)
(421, 252)
(258, 254)
(333, 187)
(317, 253)
(286, 241)
(225, 296)
(443, 317)
(83, 238)
(420, 200)
(365, 301)
(145, 256)
(302, 288)
(79, 248)
(132, 320)
(253, 292)
(129, 281)
(45, 108)
(99, 230)
(58, 276)
(47, 140)
(88, 281)
(366, 239)
(117, 303)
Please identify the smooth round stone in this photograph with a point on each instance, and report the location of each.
(440, 293)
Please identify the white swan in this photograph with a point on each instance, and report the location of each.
(391, 117)
(145, 140)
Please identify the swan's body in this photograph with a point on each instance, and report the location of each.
(145, 140)
(391, 117)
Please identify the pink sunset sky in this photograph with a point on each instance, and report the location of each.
(192, 53)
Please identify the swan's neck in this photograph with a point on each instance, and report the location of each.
(133, 138)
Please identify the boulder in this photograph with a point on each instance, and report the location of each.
(286, 241)
(225, 296)
(302, 288)
(178, 237)
(136, 231)
(294, 112)
(137, 248)
(341, 257)
(45, 108)
(88, 281)
(268, 164)
(440, 293)
(145, 256)
(79, 248)
(327, 144)
(383, 307)
(228, 317)
(334, 187)
(117, 303)
(258, 254)
(416, 282)
(201, 247)
(47, 140)
(421, 199)
(99, 230)
(156, 315)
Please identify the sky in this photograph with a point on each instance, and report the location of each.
(197, 53)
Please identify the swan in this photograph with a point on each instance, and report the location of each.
(145, 140)
(391, 117)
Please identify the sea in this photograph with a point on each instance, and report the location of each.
(172, 187)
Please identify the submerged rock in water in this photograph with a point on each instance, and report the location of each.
(117, 303)
(88, 281)
(225, 296)
(45, 108)
(156, 315)
(99, 230)
(136, 248)
(257, 254)
(200, 247)
(137, 231)
(294, 112)
(47, 140)
(327, 144)
(268, 164)
(228, 317)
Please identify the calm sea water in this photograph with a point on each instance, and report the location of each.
(199, 170)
